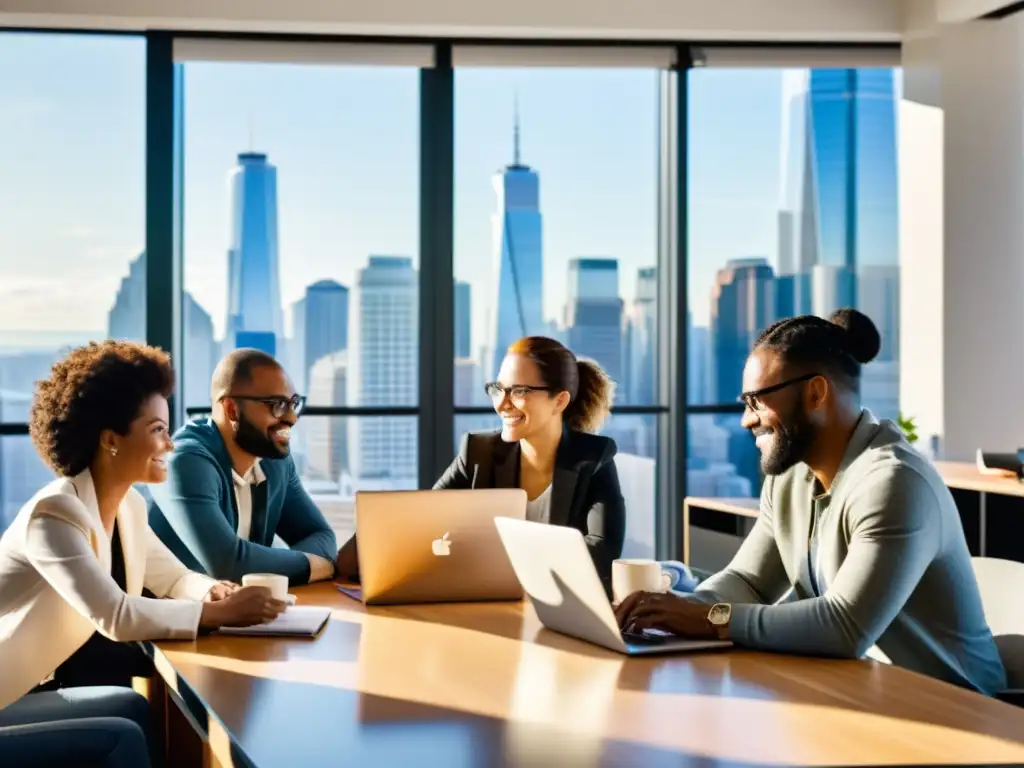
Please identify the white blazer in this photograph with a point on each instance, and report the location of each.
(56, 588)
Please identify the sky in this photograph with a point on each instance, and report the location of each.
(345, 142)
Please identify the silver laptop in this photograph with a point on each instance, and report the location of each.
(554, 566)
(434, 546)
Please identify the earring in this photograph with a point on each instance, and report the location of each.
(113, 451)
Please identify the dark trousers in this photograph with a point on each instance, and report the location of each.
(102, 661)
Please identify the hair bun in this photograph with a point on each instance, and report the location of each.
(862, 338)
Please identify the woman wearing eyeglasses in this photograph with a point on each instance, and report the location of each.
(77, 557)
(550, 404)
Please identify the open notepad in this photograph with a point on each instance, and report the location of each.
(298, 620)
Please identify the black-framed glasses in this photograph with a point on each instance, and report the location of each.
(278, 406)
(517, 392)
(752, 400)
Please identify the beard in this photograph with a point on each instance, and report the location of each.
(256, 443)
(791, 441)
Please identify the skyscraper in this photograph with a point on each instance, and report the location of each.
(384, 372)
(839, 217)
(593, 317)
(200, 351)
(640, 352)
(127, 321)
(127, 318)
(297, 347)
(519, 299)
(324, 323)
(698, 363)
(254, 290)
(742, 305)
(327, 437)
(840, 184)
(463, 321)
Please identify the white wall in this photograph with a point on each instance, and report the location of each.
(962, 235)
(840, 20)
(919, 152)
(982, 94)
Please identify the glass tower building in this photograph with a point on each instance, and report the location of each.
(519, 303)
(254, 288)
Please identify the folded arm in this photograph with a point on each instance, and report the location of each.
(756, 574)
(58, 547)
(894, 538)
(190, 503)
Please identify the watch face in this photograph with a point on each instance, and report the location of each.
(720, 613)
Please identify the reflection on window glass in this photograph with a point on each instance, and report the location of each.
(301, 239)
(793, 210)
(72, 216)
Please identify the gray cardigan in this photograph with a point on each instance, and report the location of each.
(886, 563)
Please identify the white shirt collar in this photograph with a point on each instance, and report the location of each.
(254, 476)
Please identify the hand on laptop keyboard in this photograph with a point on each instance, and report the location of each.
(669, 613)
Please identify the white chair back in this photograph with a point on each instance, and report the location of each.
(1001, 583)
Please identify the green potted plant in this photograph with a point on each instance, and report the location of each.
(909, 427)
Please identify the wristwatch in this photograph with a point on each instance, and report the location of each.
(718, 618)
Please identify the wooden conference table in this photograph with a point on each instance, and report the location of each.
(485, 685)
(991, 510)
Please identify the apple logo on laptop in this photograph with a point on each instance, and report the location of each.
(441, 547)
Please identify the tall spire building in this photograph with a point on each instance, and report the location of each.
(518, 255)
(254, 288)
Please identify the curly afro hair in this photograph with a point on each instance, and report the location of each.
(96, 387)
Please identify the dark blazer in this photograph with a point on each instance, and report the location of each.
(195, 513)
(585, 492)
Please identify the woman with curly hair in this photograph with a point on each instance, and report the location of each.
(551, 404)
(75, 560)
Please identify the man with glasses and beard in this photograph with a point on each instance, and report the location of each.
(858, 546)
(232, 485)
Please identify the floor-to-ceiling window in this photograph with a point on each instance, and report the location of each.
(556, 234)
(72, 218)
(793, 209)
(301, 238)
(302, 175)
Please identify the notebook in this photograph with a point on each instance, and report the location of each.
(298, 620)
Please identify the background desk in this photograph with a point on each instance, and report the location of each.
(991, 510)
(485, 685)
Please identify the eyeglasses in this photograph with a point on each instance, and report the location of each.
(517, 392)
(752, 400)
(278, 406)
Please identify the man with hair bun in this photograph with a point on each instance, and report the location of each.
(858, 543)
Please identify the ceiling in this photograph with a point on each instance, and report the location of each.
(718, 20)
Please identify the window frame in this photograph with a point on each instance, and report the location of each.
(435, 410)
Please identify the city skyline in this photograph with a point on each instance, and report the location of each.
(225, 100)
(301, 235)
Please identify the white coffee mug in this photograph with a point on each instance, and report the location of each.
(277, 584)
(629, 576)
